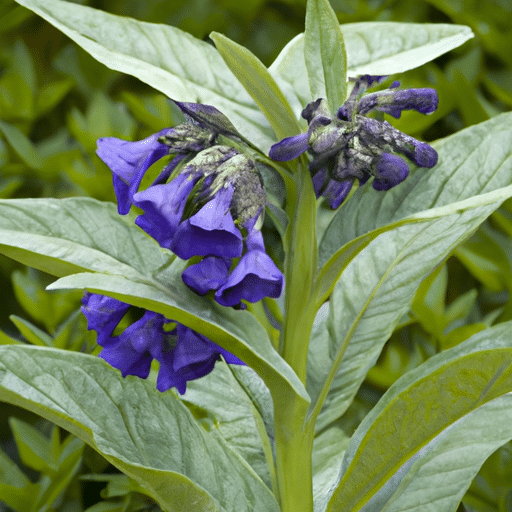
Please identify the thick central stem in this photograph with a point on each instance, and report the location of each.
(294, 442)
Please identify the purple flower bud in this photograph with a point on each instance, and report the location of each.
(390, 170)
(289, 148)
(393, 102)
(208, 117)
(337, 191)
(255, 276)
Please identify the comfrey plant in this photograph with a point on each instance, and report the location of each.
(254, 267)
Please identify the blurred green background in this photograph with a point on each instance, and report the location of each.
(56, 101)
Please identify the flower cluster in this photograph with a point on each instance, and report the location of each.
(183, 354)
(352, 146)
(207, 203)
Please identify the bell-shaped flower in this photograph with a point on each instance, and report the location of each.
(183, 354)
(255, 276)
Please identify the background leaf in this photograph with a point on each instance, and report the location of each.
(461, 400)
(376, 48)
(149, 435)
(170, 60)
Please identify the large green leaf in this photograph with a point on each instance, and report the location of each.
(423, 443)
(62, 236)
(66, 236)
(375, 48)
(229, 410)
(377, 285)
(324, 54)
(170, 60)
(471, 162)
(148, 435)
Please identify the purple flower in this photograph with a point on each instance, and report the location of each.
(206, 203)
(254, 277)
(129, 161)
(351, 146)
(183, 354)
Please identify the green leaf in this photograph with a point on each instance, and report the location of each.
(378, 285)
(231, 412)
(21, 144)
(375, 48)
(461, 400)
(324, 54)
(36, 450)
(259, 83)
(458, 175)
(328, 450)
(380, 281)
(31, 332)
(168, 59)
(150, 436)
(63, 236)
(237, 331)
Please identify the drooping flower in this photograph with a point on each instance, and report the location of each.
(207, 202)
(183, 354)
(352, 146)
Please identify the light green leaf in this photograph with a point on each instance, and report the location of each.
(231, 412)
(324, 54)
(375, 48)
(378, 284)
(168, 59)
(471, 162)
(461, 398)
(260, 84)
(328, 450)
(150, 436)
(237, 331)
(63, 236)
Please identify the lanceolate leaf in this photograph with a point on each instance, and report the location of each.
(460, 173)
(62, 237)
(260, 84)
(148, 435)
(378, 284)
(170, 60)
(423, 443)
(376, 48)
(324, 53)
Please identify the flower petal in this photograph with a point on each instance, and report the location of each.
(128, 162)
(210, 232)
(163, 207)
(390, 170)
(255, 276)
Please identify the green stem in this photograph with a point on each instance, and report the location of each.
(301, 263)
(294, 442)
